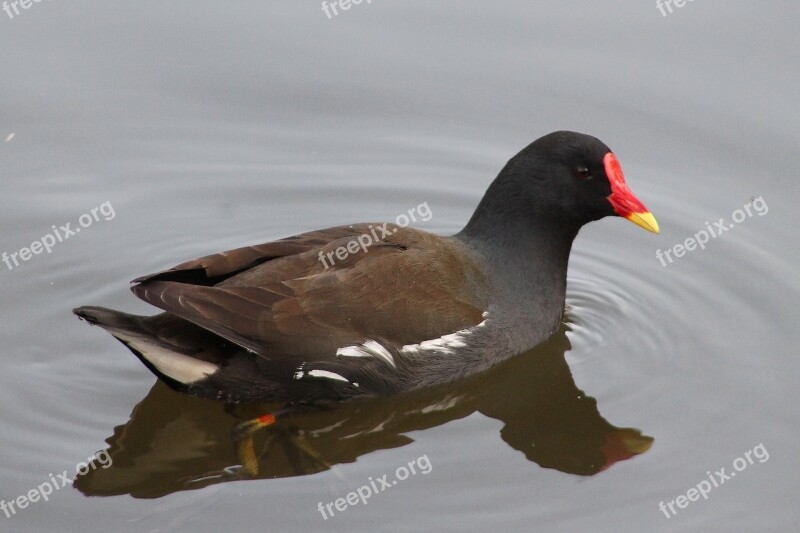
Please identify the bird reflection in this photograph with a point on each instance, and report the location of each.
(174, 442)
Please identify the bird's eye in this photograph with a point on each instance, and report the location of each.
(583, 173)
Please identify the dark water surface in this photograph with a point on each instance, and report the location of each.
(194, 127)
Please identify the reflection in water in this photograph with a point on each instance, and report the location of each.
(175, 442)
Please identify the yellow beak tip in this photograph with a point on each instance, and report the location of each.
(645, 220)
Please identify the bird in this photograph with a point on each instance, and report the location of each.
(294, 321)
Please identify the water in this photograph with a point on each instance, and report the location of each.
(208, 126)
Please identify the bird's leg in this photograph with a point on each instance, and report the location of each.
(297, 442)
(243, 435)
(245, 432)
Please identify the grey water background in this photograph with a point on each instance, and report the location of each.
(209, 126)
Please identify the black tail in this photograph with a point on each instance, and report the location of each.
(187, 357)
(172, 348)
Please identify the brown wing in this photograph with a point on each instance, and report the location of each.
(211, 269)
(279, 299)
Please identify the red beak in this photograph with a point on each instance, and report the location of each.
(623, 201)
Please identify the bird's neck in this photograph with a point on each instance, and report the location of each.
(528, 258)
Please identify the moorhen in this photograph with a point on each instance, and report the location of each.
(293, 321)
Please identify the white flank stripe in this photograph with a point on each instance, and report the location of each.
(445, 344)
(379, 350)
(353, 351)
(368, 349)
(327, 375)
